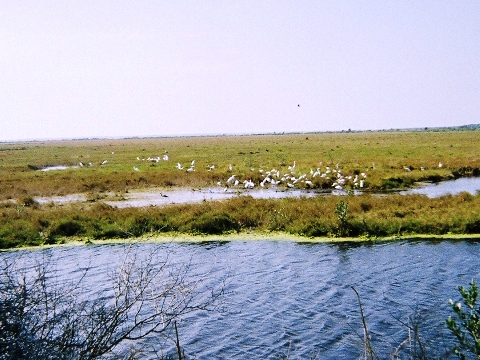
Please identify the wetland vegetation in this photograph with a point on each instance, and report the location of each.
(102, 167)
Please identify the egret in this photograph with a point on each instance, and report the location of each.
(179, 166)
(165, 157)
(104, 162)
(249, 184)
(230, 179)
(136, 168)
(292, 167)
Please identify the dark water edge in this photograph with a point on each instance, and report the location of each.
(294, 300)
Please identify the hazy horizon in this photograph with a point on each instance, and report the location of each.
(79, 70)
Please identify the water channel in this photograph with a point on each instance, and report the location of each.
(290, 300)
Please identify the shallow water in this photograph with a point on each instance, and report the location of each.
(136, 198)
(289, 300)
(470, 185)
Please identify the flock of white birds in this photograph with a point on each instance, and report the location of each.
(293, 179)
(274, 177)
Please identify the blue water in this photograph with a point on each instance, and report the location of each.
(289, 300)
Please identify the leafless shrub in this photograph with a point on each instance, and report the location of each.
(44, 316)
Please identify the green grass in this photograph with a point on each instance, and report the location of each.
(368, 217)
(382, 155)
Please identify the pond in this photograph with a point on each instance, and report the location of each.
(294, 300)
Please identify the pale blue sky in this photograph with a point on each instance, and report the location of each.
(79, 69)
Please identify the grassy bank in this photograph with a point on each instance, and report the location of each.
(366, 217)
(388, 160)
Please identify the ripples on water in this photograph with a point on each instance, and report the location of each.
(285, 299)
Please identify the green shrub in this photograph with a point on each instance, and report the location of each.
(466, 326)
(341, 210)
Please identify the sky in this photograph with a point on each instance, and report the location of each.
(95, 69)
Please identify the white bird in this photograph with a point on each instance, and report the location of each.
(440, 165)
(230, 179)
(165, 157)
(179, 166)
(249, 184)
(136, 168)
(292, 167)
(104, 162)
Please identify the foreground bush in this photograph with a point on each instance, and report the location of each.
(465, 325)
(45, 317)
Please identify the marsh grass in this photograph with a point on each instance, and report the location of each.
(369, 217)
(382, 155)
